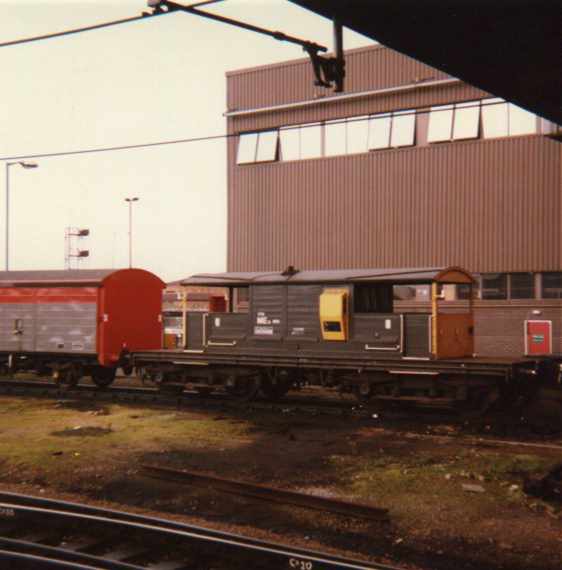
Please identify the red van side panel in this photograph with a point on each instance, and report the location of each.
(129, 314)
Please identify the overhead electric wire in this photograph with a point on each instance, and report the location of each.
(79, 30)
(117, 148)
(218, 137)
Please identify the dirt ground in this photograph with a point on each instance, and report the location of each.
(454, 502)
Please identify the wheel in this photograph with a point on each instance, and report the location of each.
(127, 370)
(363, 391)
(276, 383)
(243, 387)
(102, 376)
(68, 376)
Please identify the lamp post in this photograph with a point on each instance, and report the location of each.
(8, 164)
(130, 202)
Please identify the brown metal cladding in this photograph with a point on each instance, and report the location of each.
(486, 205)
(368, 69)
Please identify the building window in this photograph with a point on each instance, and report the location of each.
(440, 123)
(454, 122)
(311, 141)
(302, 141)
(379, 131)
(552, 285)
(257, 147)
(290, 139)
(267, 146)
(346, 136)
(494, 286)
(357, 134)
(336, 135)
(392, 130)
(464, 291)
(502, 119)
(247, 144)
(403, 129)
(522, 286)
(521, 122)
(466, 120)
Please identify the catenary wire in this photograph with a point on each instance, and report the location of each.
(78, 30)
(202, 139)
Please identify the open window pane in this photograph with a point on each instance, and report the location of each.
(494, 286)
(522, 285)
(403, 129)
(379, 132)
(440, 123)
(247, 143)
(290, 143)
(311, 141)
(267, 146)
(494, 118)
(521, 122)
(357, 134)
(466, 120)
(335, 133)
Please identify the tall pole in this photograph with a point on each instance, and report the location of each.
(130, 203)
(7, 240)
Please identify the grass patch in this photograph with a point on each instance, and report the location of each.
(40, 439)
(428, 489)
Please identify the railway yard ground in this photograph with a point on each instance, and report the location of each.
(455, 500)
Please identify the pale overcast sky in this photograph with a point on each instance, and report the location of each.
(153, 80)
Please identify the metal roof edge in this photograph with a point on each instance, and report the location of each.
(344, 97)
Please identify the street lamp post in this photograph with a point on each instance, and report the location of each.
(8, 164)
(130, 202)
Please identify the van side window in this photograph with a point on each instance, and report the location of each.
(372, 298)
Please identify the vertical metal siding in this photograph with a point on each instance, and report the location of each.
(490, 205)
(367, 68)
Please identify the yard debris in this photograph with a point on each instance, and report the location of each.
(548, 487)
(469, 488)
(270, 494)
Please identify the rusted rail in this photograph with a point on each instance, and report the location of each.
(45, 533)
(269, 494)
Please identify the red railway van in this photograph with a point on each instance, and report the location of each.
(85, 317)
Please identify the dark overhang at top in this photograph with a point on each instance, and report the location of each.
(510, 49)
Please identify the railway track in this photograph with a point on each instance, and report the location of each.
(310, 405)
(145, 394)
(42, 533)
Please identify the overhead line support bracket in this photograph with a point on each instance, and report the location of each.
(328, 71)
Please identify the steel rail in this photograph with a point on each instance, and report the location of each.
(314, 405)
(282, 556)
(269, 494)
(61, 555)
(33, 561)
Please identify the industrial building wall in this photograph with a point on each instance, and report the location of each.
(491, 205)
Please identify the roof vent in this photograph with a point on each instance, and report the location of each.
(290, 271)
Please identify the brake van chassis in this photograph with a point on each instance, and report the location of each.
(339, 329)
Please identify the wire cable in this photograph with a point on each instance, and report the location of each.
(117, 148)
(226, 136)
(79, 30)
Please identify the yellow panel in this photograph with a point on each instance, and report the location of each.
(333, 314)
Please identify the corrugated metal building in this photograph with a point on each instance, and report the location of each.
(408, 167)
